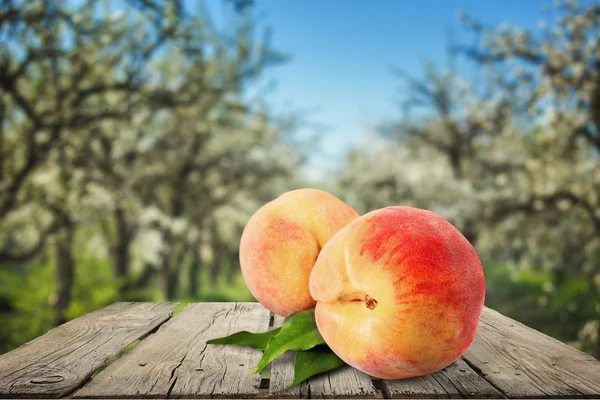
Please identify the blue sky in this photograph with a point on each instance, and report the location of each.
(342, 53)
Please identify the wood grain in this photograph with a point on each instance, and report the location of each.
(177, 362)
(506, 359)
(282, 375)
(58, 362)
(420, 387)
(345, 382)
(457, 380)
(522, 362)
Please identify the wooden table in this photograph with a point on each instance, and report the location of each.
(158, 355)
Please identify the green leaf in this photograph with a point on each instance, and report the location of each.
(298, 332)
(314, 361)
(244, 338)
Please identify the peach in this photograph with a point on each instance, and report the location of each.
(399, 293)
(281, 242)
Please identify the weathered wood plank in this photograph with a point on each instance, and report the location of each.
(420, 387)
(462, 378)
(457, 380)
(345, 382)
(58, 362)
(282, 375)
(522, 362)
(177, 362)
(226, 369)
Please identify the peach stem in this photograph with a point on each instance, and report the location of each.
(370, 302)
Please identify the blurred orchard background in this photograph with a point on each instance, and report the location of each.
(138, 136)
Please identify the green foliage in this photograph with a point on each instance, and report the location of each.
(29, 289)
(311, 362)
(27, 294)
(26, 290)
(257, 341)
(131, 156)
(298, 332)
(535, 298)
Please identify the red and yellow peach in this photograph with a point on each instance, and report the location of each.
(399, 293)
(281, 242)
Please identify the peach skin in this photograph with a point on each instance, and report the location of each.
(399, 293)
(281, 242)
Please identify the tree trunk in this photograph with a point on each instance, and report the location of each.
(169, 280)
(171, 286)
(455, 162)
(217, 255)
(470, 231)
(146, 277)
(234, 267)
(120, 256)
(143, 281)
(65, 273)
(595, 109)
(2, 113)
(194, 274)
(597, 355)
(215, 266)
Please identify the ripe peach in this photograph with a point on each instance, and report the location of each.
(399, 293)
(281, 242)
